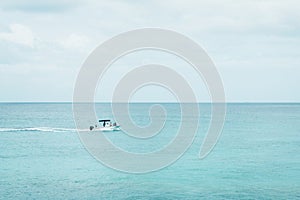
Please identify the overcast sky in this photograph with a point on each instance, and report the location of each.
(254, 44)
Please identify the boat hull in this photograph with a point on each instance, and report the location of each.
(110, 129)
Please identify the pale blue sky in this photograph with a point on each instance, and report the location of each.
(254, 44)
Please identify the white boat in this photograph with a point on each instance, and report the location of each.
(107, 125)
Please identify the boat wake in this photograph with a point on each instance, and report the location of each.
(38, 129)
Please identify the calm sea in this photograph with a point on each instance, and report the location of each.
(257, 156)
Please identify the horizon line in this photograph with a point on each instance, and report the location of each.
(204, 102)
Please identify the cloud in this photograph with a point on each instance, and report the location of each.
(37, 6)
(247, 35)
(19, 34)
(75, 41)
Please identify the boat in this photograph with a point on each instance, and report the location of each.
(106, 126)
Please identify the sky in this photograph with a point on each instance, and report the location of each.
(255, 46)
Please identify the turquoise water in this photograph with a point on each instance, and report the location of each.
(257, 156)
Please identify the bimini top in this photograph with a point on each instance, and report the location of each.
(104, 120)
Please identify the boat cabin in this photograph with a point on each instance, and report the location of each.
(106, 123)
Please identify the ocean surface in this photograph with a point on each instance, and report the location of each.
(256, 157)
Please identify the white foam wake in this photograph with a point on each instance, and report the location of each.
(41, 129)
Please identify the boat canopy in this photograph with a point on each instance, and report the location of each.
(104, 120)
